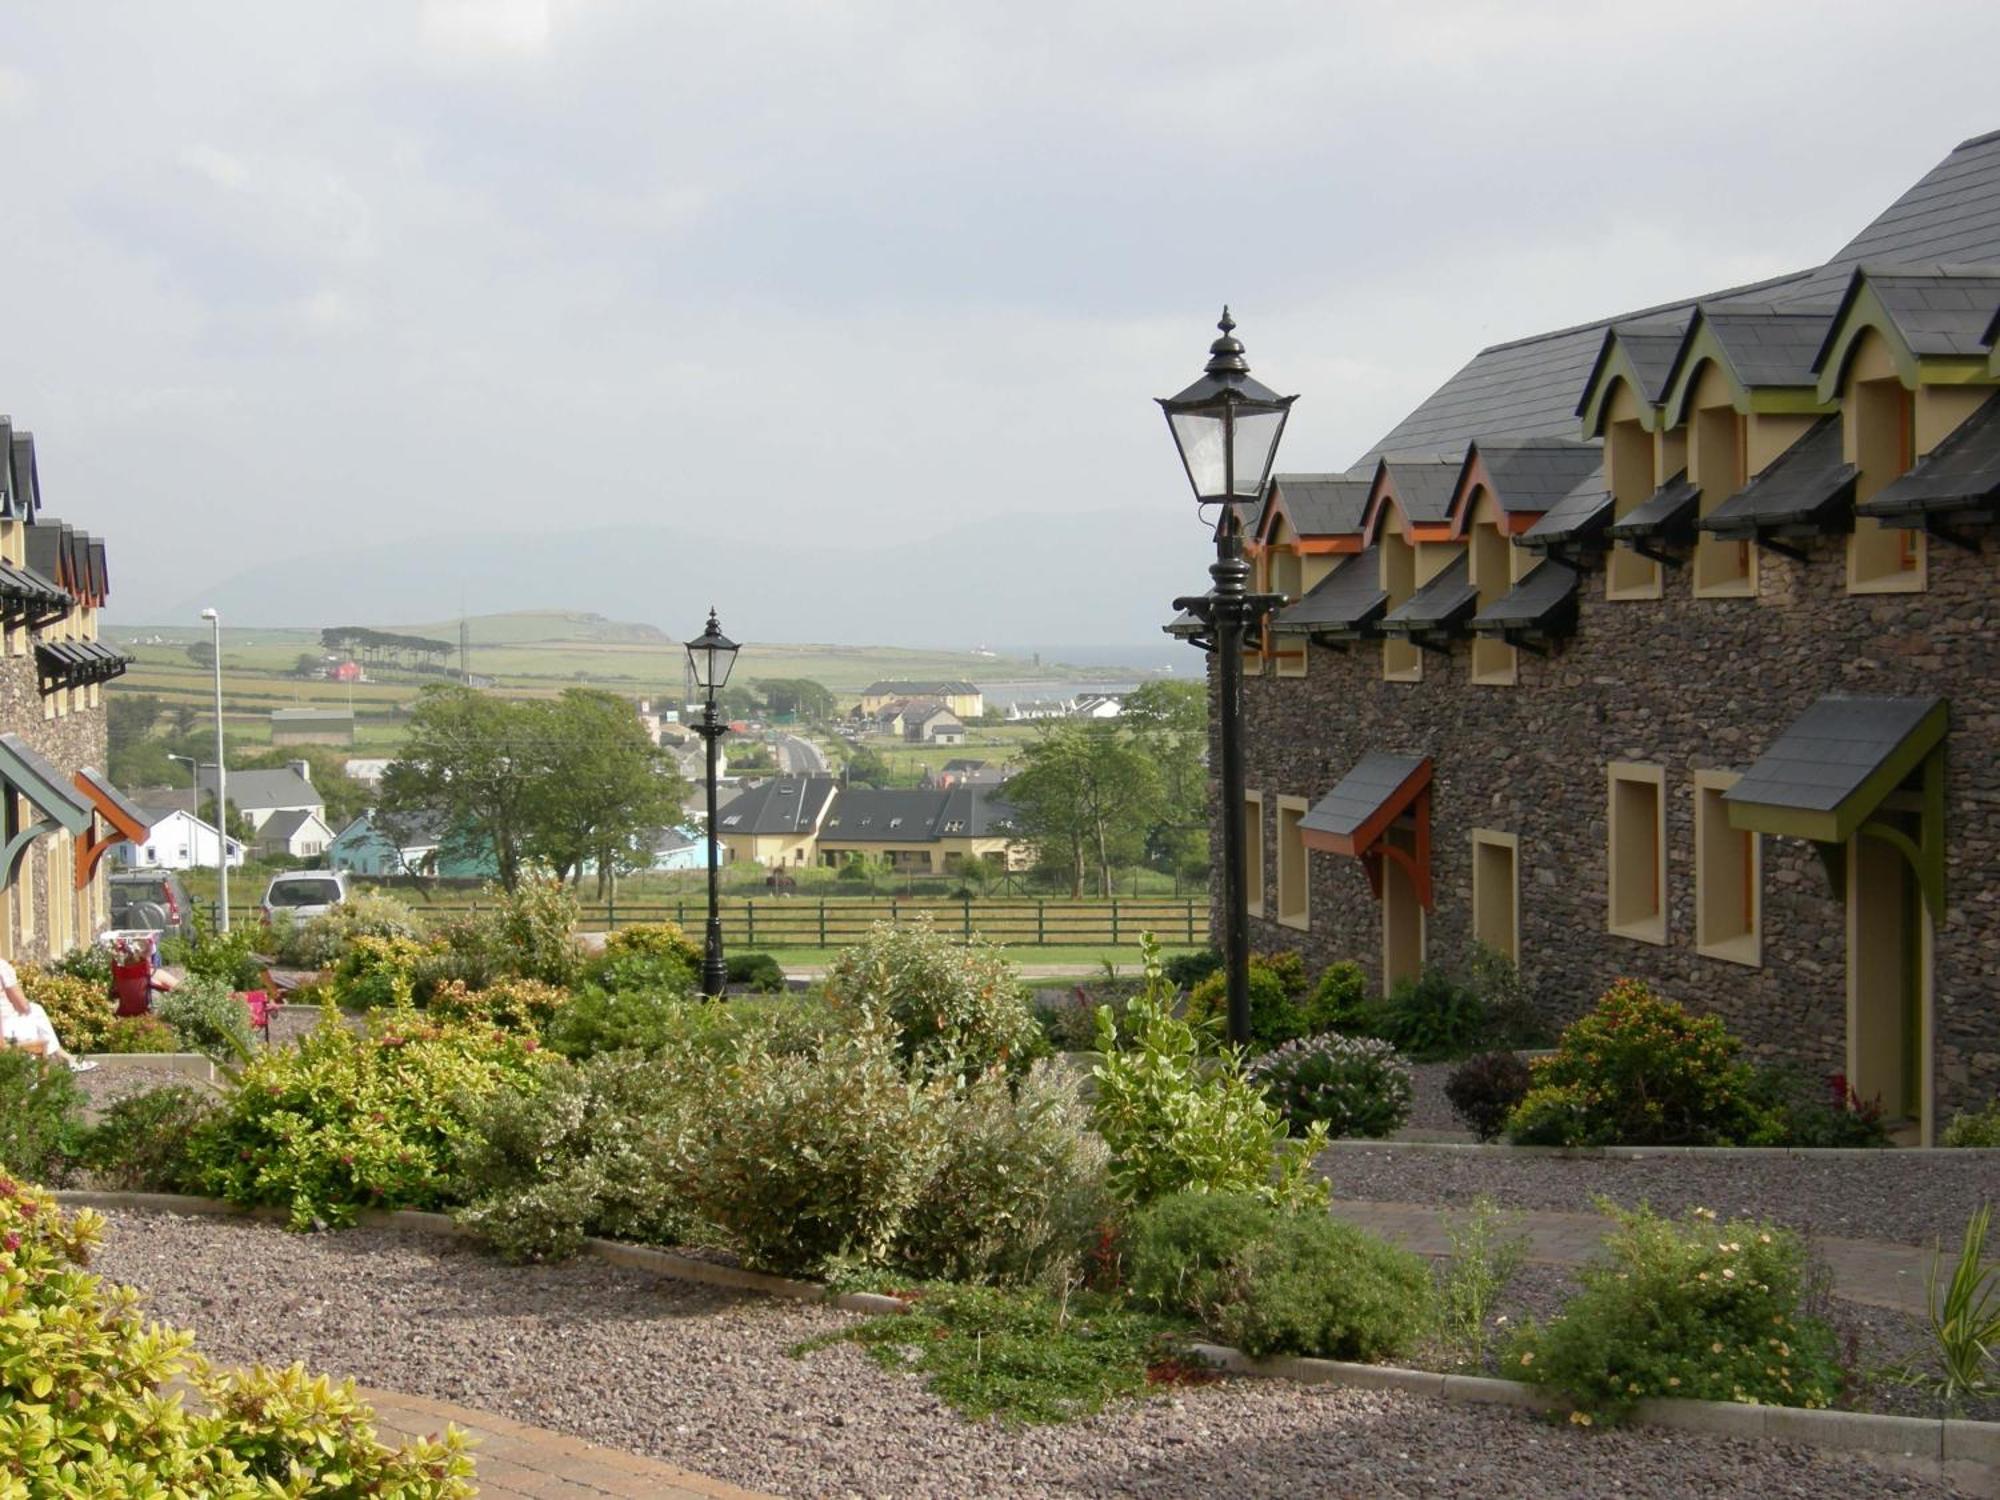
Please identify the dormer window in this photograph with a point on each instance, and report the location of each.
(1719, 465)
(1882, 433)
(1402, 661)
(1629, 465)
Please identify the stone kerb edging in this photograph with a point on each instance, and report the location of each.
(196, 1065)
(1936, 1439)
(1644, 1153)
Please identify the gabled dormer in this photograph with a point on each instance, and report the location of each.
(1408, 523)
(1621, 404)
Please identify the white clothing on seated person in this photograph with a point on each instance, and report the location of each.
(33, 1025)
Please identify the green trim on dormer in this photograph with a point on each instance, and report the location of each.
(1614, 364)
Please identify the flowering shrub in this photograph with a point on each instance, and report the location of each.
(1484, 1090)
(85, 1404)
(146, 1033)
(343, 1122)
(206, 1018)
(1638, 1070)
(318, 942)
(1174, 1126)
(1698, 1308)
(655, 940)
(378, 971)
(958, 1008)
(523, 1005)
(1353, 1085)
(81, 1010)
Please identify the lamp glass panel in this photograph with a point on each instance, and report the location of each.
(719, 663)
(1256, 442)
(1200, 437)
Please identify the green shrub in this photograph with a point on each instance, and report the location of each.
(632, 972)
(591, 1150)
(956, 1008)
(91, 962)
(596, 1020)
(228, 956)
(1484, 1090)
(1271, 1281)
(1186, 970)
(81, 1010)
(140, 1144)
(1341, 1001)
(1020, 1186)
(1974, 1127)
(1274, 1018)
(536, 928)
(206, 1017)
(1354, 1086)
(809, 1160)
(377, 972)
(1070, 1024)
(318, 942)
(1698, 1309)
(1513, 1021)
(655, 940)
(119, 1425)
(146, 1033)
(1433, 1016)
(1798, 1110)
(1174, 1126)
(757, 971)
(1638, 1071)
(40, 1116)
(523, 1005)
(343, 1121)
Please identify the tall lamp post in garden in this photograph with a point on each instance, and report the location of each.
(1227, 427)
(710, 656)
(221, 789)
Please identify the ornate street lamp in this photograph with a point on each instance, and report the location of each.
(710, 656)
(1227, 427)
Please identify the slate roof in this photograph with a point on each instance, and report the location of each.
(1962, 471)
(1806, 485)
(252, 790)
(24, 487)
(29, 587)
(918, 689)
(1448, 599)
(1671, 507)
(1544, 602)
(110, 793)
(1347, 599)
(1829, 751)
(1940, 310)
(1652, 345)
(1323, 504)
(1767, 344)
(280, 826)
(1529, 387)
(920, 816)
(1361, 793)
(1535, 474)
(1424, 484)
(1579, 516)
(782, 805)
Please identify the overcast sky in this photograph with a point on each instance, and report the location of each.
(278, 276)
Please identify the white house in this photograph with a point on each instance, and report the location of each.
(1098, 706)
(300, 834)
(175, 840)
(260, 795)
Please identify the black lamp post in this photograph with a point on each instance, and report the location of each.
(711, 654)
(1227, 427)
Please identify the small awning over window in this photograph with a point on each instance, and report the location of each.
(1577, 521)
(1669, 514)
(1827, 775)
(27, 598)
(1956, 484)
(1536, 610)
(1439, 609)
(116, 818)
(47, 791)
(1343, 606)
(1808, 490)
(1357, 816)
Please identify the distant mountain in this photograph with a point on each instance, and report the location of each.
(1089, 576)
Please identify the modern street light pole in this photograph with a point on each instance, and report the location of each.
(221, 789)
(710, 656)
(1226, 427)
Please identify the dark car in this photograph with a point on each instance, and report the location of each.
(150, 901)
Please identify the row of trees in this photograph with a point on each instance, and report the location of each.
(559, 783)
(1098, 795)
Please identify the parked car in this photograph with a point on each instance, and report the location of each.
(305, 894)
(150, 901)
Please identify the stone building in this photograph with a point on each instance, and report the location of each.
(60, 813)
(1669, 646)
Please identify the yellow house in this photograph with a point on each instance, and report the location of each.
(962, 698)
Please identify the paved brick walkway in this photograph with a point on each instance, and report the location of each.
(518, 1462)
(1865, 1271)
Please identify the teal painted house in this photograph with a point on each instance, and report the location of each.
(363, 849)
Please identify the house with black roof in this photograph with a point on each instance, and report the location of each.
(1665, 645)
(961, 697)
(822, 821)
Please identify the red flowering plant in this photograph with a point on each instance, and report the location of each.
(131, 949)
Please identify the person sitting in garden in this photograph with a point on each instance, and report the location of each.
(26, 1025)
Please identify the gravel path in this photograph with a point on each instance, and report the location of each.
(1906, 1197)
(701, 1378)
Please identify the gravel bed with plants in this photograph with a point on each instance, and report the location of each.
(1906, 1197)
(706, 1379)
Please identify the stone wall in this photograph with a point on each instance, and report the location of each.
(1689, 684)
(69, 742)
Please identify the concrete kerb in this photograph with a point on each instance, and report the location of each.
(1933, 1439)
(1639, 1153)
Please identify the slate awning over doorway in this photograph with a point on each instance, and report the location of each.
(116, 817)
(1355, 817)
(47, 791)
(1832, 770)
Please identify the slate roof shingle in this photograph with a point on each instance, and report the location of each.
(1962, 471)
(1348, 599)
(1544, 602)
(1448, 599)
(1826, 754)
(1809, 485)
(1323, 504)
(1537, 474)
(1361, 793)
(1669, 508)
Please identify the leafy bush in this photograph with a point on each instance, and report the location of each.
(591, 1150)
(40, 1112)
(206, 1018)
(1354, 1086)
(536, 928)
(1799, 1110)
(1513, 1022)
(1638, 1071)
(523, 1005)
(140, 1144)
(1432, 1016)
(91, 962)
(81, 1010)
(1186, 970)
(1070, 1024)
(1020, 1186)
(631, 973)
(318, 942)
(655, 940)
(342, 1122)
(1963, 1311)
(597, 1020)
(120, 1426)
(808, 1160)
(1173, 1126)
(759, 971)
(1484, 1090)
(228, 956)
(1341, 1001)
(1698, 1309)
(146, 1033)
(1274, 1017)
(1275, 1282)
(956, 1008)
(375, 972)
(1472, 1278)
(1974, 1127)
